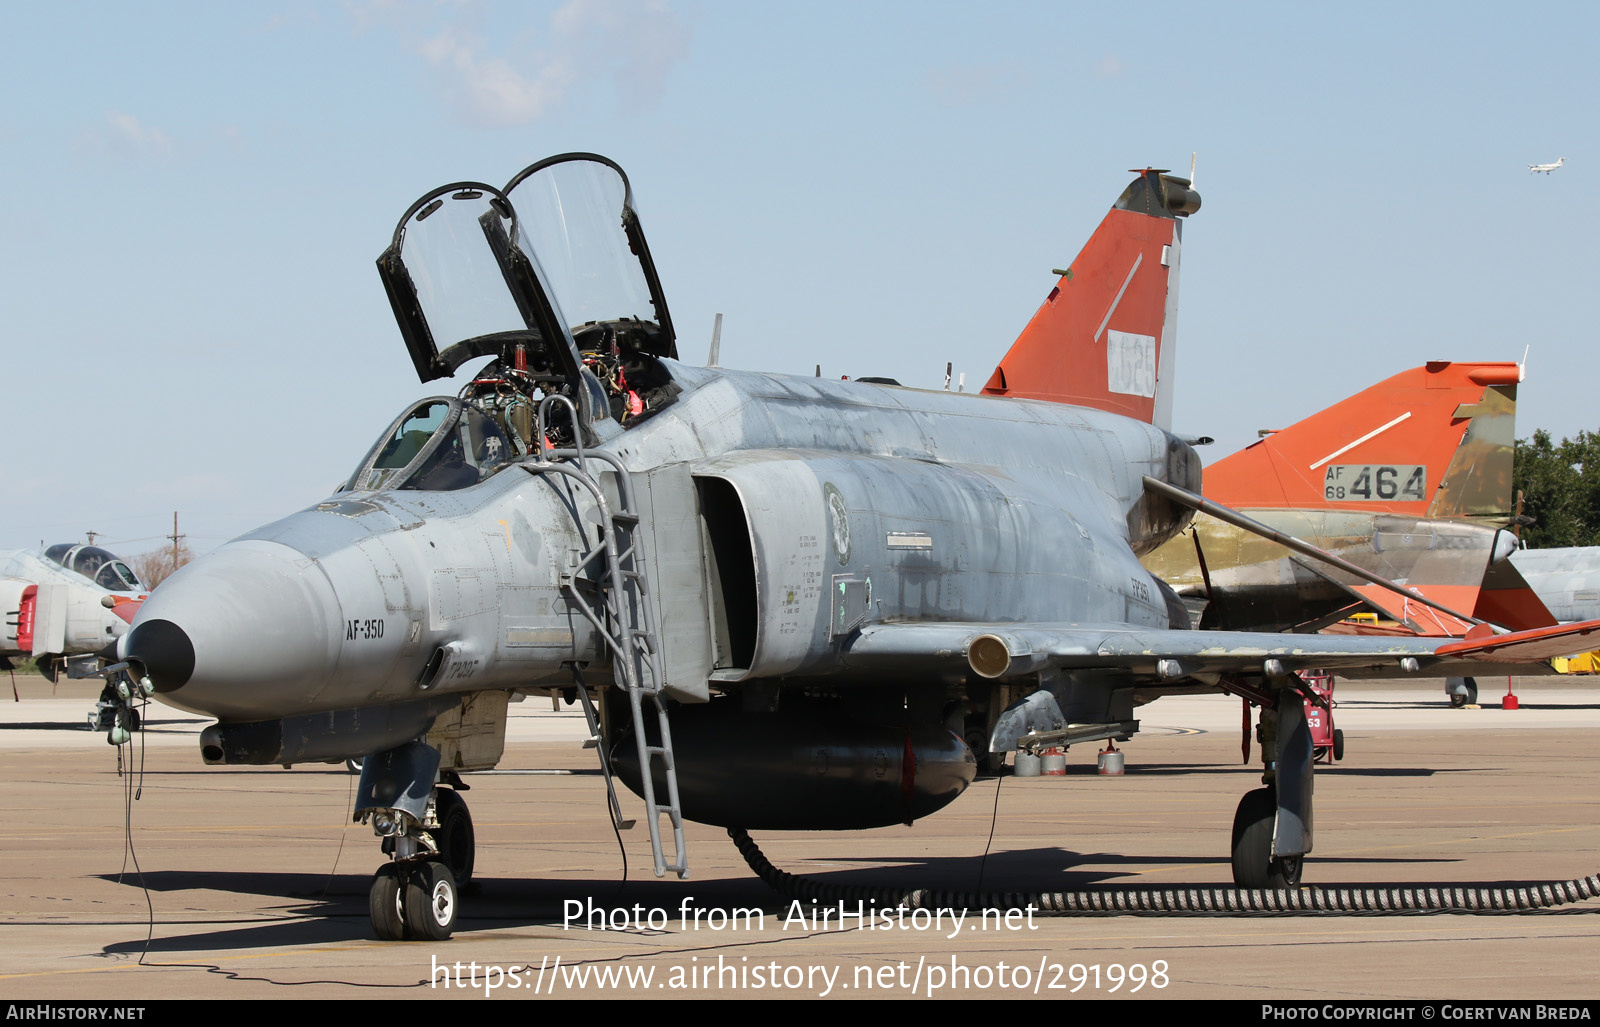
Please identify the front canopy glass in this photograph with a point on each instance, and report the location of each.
(437, 445)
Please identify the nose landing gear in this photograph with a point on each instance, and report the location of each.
(428, 832)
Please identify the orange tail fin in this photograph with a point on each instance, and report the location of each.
(1434, 441)
(1105, 336)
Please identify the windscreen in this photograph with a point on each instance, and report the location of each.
(439, 445)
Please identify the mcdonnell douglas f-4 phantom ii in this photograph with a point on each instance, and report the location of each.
(64, 604)
(799, 603)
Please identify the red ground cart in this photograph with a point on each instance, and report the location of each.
(1327, 741)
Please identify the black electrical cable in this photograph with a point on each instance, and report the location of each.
(994, 820)
(1191, 901)
(131, 793)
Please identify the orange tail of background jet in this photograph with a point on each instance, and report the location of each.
(1105, 336)
(1434, 441)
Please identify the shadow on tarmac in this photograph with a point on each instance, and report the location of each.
(317, 908)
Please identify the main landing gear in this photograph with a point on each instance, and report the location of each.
(1272, 826)
(427, 831)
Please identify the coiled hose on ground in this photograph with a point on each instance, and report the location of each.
(1386, 900)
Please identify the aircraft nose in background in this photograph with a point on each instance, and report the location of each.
(248, 632)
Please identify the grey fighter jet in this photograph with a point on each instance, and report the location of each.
(786, 603)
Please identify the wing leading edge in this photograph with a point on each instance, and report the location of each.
(1011, 650)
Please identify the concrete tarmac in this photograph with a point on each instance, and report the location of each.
(251, 882)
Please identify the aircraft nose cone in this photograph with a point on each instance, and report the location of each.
(248, 632)
(165, 651)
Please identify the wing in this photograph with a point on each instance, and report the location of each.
(1172, 656)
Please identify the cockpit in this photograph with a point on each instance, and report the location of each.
(438, 445)
(552, 278)
(96, 564)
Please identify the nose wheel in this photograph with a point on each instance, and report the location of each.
(386, 903)
(430, 901)
(413, 900)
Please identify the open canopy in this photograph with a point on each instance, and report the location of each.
(555, 262)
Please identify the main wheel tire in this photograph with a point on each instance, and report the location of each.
(1338, 745)
(1467, 698)
(430, 901)
(456, 839)
(1254, 866)
(385, 903)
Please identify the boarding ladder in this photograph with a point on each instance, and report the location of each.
(626, 621)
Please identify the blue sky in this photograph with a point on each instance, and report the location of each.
(191, 319)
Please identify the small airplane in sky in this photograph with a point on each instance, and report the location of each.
(784, 603)
(1547, 168)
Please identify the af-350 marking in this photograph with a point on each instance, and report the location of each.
(363, 630)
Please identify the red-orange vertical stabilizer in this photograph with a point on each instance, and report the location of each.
(1434, 441)
(1105, 335)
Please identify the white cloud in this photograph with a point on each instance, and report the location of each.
(125, 134)
(490, 90)
(641, 42)
(634, 44)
